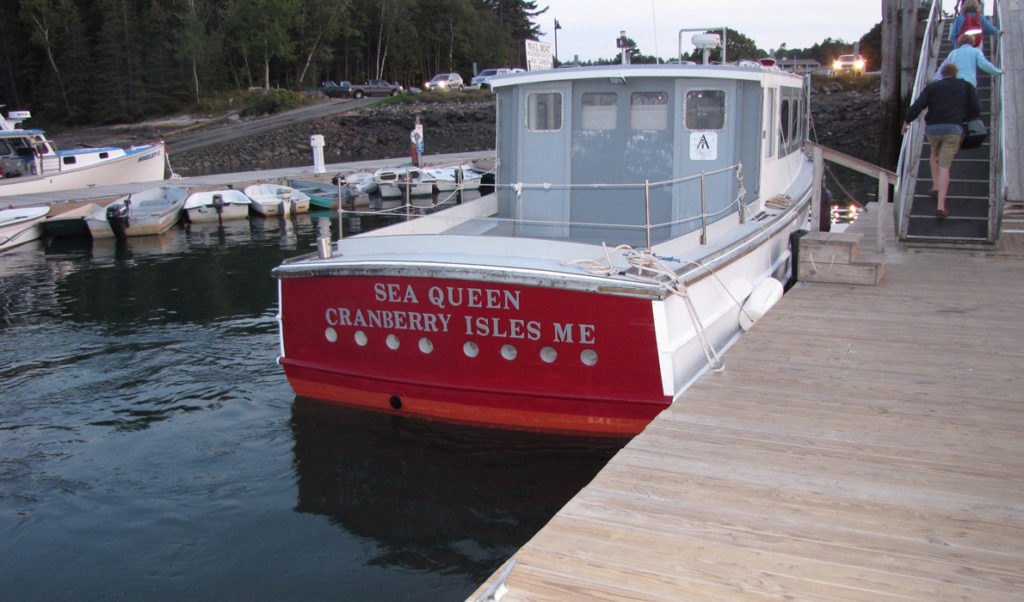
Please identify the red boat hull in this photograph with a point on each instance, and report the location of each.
(477, 352)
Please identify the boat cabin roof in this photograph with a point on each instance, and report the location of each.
(618, 74)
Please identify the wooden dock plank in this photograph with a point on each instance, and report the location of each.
(862, 443)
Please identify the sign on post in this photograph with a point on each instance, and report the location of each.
(538, 56)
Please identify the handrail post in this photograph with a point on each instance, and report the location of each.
(647, 200)
(819, 170)
(883, 204)
(703, 213)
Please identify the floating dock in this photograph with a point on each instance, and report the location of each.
(862, 443)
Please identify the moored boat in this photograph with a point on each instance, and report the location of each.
(21, 225)
(398, 182)
(322, 195)
(145, 213)
(216, 205)
(31, 164)
(454, 177)
(276, 199)
(637, 208)
(69, 224)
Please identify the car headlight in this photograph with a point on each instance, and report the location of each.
(859, 65)
(836, 65)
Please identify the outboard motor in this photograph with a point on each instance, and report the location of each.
(118, 218)
(218, 206)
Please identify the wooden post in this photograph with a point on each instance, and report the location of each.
(908, 50)
(892, 112)
(883, 208)
(819, 170)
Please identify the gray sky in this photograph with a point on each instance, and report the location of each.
(590, 27)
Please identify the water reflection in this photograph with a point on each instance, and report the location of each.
(435, 496)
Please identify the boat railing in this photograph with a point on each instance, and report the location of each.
(691, 209)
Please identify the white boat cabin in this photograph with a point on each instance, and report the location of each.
(598, 154)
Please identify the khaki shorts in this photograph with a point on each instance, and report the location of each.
(944, 148)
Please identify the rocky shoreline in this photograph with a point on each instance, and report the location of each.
(375, 132)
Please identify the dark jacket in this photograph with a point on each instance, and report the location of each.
(949, 100)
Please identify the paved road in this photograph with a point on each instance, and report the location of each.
(239, 128)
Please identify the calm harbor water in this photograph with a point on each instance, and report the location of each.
(151, 448)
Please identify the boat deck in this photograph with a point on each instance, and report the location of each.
(862, 443)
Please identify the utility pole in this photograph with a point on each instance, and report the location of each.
(557, 27)
(892, 111)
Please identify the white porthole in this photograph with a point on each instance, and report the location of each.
(392, 341)
(426, 345)
(509, 352)
(588, 357)
(548, 354)
(471, 349)
(331, 335)
(361, 338)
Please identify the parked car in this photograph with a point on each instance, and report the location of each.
(445, 81)
(852, 63)
(375, 87)
(483, 79)
(337, 89)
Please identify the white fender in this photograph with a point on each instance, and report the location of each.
(764, 295)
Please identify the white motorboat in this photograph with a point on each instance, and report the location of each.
(360, 183)
(276, 199)
(643, 218)
(144, 213)
(31, 164)
(399, 182)
(217, 205)
(455, 177)
(21, 225)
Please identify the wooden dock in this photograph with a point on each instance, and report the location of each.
(863, 443)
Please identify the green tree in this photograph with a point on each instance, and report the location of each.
(266, 30)
(322, 22)
(55, 27)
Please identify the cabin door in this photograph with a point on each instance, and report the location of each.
(543, 161)
(706, 141)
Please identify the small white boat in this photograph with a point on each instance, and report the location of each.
(217, 205)
(360, 183)
(396, 182)
(276, 199)
(145, 213)
(447, 179)
(31, 164)
(21, 225)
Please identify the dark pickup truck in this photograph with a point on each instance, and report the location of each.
(375, 87)
(337, 90)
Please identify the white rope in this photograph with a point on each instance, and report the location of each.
(814, 266)
(645, 261)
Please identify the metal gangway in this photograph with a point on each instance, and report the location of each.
(985, 193)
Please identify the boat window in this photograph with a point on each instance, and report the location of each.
(796, 135)
(648, 110)
(784, 124)
(599, 111)
(705, 109)
(69, 160)
(6, 148)
(544, 112)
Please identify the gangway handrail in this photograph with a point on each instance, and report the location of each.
(997, 153)
(910, 149)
